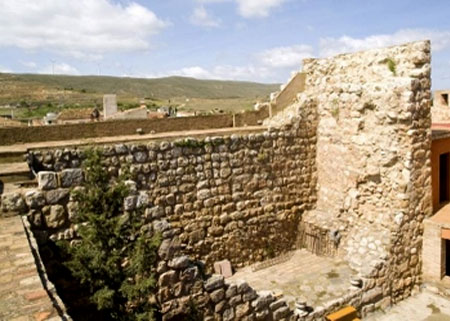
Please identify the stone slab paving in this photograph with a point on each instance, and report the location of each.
(22, 295)
(424, 306)
(304, 276)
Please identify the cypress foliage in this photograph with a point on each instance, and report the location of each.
(116, 253)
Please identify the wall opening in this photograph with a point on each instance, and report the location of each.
(443, 178)
(445, 99)
(447, 257)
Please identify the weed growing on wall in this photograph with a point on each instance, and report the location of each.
(335, 113)
(392, 66)
(335, 109)
(116, 252)
(262, 157)
(190, 143)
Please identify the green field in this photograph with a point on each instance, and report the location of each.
(38, 94)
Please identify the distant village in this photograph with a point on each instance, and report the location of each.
(109, 111)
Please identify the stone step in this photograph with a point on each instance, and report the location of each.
(14, 172)
(13, 168)
(11, 157)
(18, 186)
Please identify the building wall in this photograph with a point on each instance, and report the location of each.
(438, 147)
(434, 249)
(373, 159)
(441, 98)
(441, 107)
(433, 254)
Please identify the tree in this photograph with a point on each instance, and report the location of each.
(116, 252)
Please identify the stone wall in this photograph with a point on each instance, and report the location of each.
(251, 118)
(373, 158)
(288, 93)
(134, 113)
(349, 160)
(238, 197)
(11, 136)
(440, 110)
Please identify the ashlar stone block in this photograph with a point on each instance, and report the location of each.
(71, 177)
(47, 180)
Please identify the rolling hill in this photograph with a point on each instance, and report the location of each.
(37, 94)
(16, 87)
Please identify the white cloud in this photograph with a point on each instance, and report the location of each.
(332, 46)
(29, 64)
(80, 28)
(221, 72)
(251, 8)
(60, 69)
(257, 8)
(271, 65)
(201, 17)
(241, 72)
(286, 57)
(194, 72)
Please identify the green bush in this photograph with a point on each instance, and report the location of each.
(392, 66)
(116, 254)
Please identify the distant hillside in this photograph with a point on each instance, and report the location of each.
(48, 87)
(36, 95)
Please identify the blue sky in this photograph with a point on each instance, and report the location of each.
(256, 40)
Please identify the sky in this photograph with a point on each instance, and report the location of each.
(251, 40)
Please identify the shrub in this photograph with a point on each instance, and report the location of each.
(116, 253)
(392, 66)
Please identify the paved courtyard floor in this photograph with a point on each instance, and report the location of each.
(424, 306)
(22, 295)
(304, 276)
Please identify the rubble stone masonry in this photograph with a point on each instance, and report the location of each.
(351, 157)
(373, 159)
